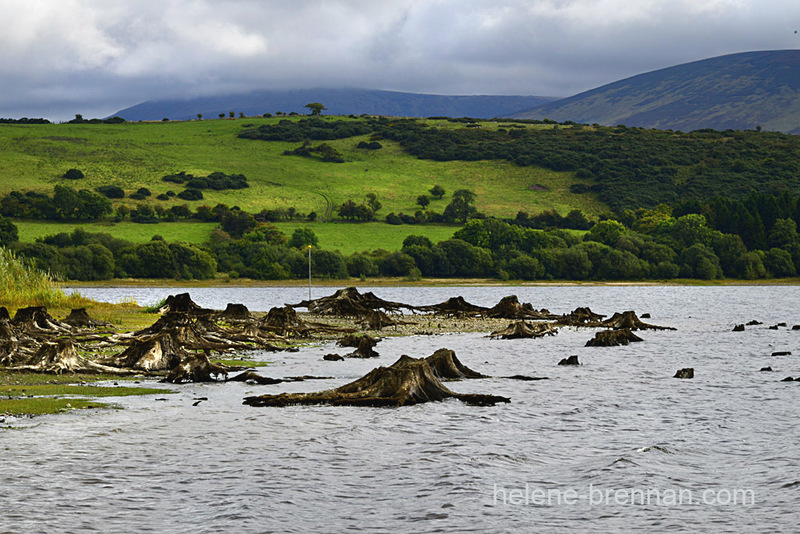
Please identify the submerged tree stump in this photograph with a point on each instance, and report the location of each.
(235, 313)
(629, 320)
(348, 302)
(580, 316)
(522, 329)
(511, 308)
(363, 344)
(198, 368)
(446, 366)
(406, 382)
(454, 307)
(613, 338)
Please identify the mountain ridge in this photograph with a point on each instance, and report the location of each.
(745, 90)
(336, 101)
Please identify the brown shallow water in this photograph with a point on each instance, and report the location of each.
(615, 444)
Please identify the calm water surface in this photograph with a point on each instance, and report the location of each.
(614, 445)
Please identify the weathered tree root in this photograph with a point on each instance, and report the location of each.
(79, 318)
(61, 357)
(198, 368)
(406, 382)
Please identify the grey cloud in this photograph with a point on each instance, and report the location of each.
(71, 56)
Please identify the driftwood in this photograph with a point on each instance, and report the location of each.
(613, 338)
(522, 329)
(406, 382)
(251, 377)
(629, 320)
(446, 366)
(79, 318)
(454, 307)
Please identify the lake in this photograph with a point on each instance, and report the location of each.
(615, 444)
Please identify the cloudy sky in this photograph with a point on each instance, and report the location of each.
(94, 57)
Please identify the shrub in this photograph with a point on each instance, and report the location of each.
(191, 194)
(111, 191)
(73, 174)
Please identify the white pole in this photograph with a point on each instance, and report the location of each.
(309, 273)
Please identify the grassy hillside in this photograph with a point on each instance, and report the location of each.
(134, 155)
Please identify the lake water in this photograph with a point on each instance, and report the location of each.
(613, 445)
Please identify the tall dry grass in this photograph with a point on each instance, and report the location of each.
(22, 285)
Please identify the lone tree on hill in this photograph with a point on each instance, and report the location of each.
(316, 108)
(437, 191)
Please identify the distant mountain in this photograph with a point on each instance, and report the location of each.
(737, 91)
(337, 102)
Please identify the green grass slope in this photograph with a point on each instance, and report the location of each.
(134, 155)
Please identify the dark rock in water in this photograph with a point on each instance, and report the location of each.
(687, 372)
(526, 378)
(782, 353)
(738, 328)
(572, 360)
(407, 381)
(645, 316)
(788, 379)
(754, 323)
(796, 327)
(613, 338)
(768, 368)
(333, 358)
(776, 326)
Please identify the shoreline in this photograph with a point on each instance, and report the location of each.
(425, 282)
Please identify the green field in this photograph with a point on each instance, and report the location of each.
(133, 155)
(345, 237)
